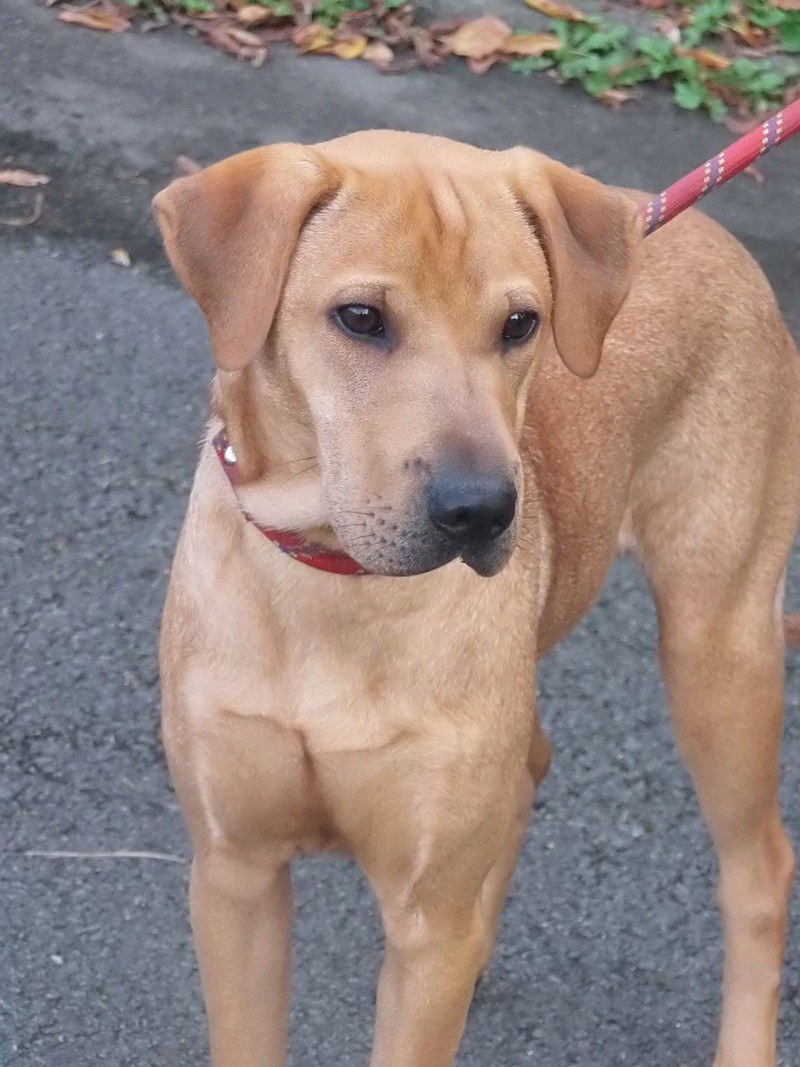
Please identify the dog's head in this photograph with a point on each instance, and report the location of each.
(402, 289)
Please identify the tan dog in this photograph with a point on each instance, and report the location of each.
(407, 332)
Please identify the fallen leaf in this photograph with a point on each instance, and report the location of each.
(481, 66)
(26, 220)
(254, 15)
(120, 256)
(353, 22)
(444, 29)
(25, 179)
(350, 48)
(379, 55)
(753, 172)
(237, 42)
(554, 10)
(740, 126)
(479, 38)
(747, 32)
(150, 25)
(312, 38)
(399, 21)
(94, 19)
(427, 49)
(705, 57)
(185, 165)
(786, 5)
(615, 98)
(530, 44)
(244, 37)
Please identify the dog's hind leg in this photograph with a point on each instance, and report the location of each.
(723, 671)
(714, 533)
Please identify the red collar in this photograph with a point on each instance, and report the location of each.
(313, 555)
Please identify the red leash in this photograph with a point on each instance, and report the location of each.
(730, 162)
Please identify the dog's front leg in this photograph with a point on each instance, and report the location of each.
(432, 962)
(241, 918)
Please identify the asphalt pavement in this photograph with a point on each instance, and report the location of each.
(610, 948)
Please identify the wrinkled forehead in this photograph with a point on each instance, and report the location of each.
(444, 228)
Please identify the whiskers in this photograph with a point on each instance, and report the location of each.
(309, 463)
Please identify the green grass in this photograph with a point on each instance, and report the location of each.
(603, 55)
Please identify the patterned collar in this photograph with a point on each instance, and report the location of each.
(313, 555)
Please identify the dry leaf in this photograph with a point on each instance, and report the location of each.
(254, 15)
(244, 37)
(351, 48)
(705, 57)
(530, 44)
(26, 220)
(615, 98)
(379, 55)
(312, 38)
(740, 126)
(25, 179)
(554, 10)
(479, 38)
(185, 165)
(237, 42)
(120, 256)
(94, 19)
(444, 29)
(427, 49)
(747, 32)
(480, 66)
(786, 5)
(753, 172)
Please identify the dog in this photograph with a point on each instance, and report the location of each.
(452, 384)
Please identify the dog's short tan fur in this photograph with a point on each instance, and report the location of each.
(394, 716)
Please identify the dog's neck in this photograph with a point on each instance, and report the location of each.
(283, 534)
(269, 458)
(278, 479)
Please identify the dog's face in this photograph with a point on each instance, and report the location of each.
(409, 322)
(404, 288)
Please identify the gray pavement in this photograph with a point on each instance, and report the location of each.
(609, 952)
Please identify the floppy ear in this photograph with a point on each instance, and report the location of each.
(590, 234)
(230, 232)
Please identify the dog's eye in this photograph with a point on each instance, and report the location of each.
(519, 326)
(361, 320)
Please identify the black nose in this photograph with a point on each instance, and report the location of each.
(471, 507)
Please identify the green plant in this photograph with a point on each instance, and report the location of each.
(330, 12)
(157, 9)
(605, 57)
(281, 9)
